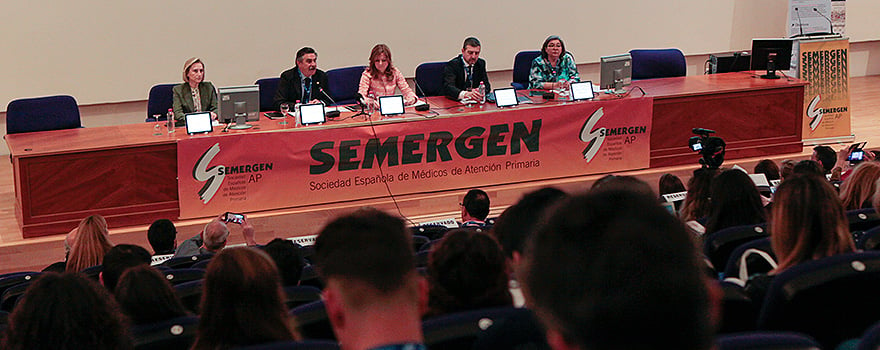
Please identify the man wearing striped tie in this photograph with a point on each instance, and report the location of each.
(464, 73)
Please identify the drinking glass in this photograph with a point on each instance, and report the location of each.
(285, 108)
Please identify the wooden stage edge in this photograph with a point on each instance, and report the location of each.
(33, 254)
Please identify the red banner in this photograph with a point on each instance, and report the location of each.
(247, 172)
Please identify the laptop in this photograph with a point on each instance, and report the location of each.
(506, 97)
(582, 90)
(391, 105)
(312, 113)
(198, 123)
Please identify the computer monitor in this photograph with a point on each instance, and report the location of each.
(771, 55)
(615, 72)
(239, 104)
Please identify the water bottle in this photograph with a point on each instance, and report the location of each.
(296, 112)
(372, 105)
(482, 90)
(170, 120)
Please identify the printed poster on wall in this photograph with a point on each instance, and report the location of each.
(253, 171)
(824, 63)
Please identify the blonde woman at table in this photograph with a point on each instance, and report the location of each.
(195, 94)
(383, 79)
(554, 68)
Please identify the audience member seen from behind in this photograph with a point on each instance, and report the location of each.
(381, 78)
(195, 94)
(146, 297)
(373, 296)
(474, 208)
(554, 68)
(807, 222)
(304, 82)
(213, 237)
(670, 184)
(91, 242)
(768, 168)
(613, 270)
(787, 167)
(826, 157)
(464, 73)
(287, 258)
(466, 271)
(162, 236)
(808, 167)
(735, 202)
(619, 182)
(242, 303)
(120, 258)
(696, 203)
(66, 311)
(857, 191)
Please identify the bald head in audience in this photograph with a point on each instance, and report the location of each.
(373, 295)
(614, 270)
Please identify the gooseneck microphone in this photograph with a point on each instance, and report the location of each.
(830, 24)
(800, 24)
(426, 106)
(329, 114)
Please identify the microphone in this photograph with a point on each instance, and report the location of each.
(426, 106)
(830, 24)
(800, 24)
(329, 114)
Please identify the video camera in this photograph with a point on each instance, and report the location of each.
(712, 148)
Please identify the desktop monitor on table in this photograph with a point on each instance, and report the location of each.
(615, 72)
(771, 55)
(239, 104)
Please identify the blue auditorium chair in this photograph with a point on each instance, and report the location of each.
(190, 294)
(657, 63)
(11, 279)
(178, 276)
(522, 64)
(12, 295)
(312, 322)
(830, 299)
(870, 340)
(300, 295)
(766, 341)
(429, 79)
(174, 334)
(295, 345)
(717, 246)
(42, 114)
(268, 88)
(868, 240)
(344, 84)
(186, 261)
(159, 101)
(754, 262)
(461, 329)
(862, 219)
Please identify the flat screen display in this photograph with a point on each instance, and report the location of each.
(582, 90)
(197, 123)
(312, 113)
(391, 105)
(506, 97)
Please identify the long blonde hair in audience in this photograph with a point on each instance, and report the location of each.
(857, 191)
(807, 222)
(91, 243)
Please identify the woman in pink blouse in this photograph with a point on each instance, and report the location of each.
(382, 79)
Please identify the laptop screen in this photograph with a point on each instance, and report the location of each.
(197, 123)
(582, 90)
(312, 113)
(506, 97)
(391, 105)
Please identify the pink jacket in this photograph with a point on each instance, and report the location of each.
(386, 87)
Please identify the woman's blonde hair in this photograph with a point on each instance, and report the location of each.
(188, 64)
(91, 243)
(857, 191)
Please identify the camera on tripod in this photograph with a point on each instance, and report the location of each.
(711, 148)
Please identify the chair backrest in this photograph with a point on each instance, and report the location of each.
(12, 295)
(862, 219)
(831, 299)
(766, 340)
(186, 261)
(460, 330)
(522, 64)
(738, 311)
(300, 295)
(173, 334)
(344, 83)
(312, 322)
(190, 294)
(177, 276)
(309, 277)
(429, 79)
(870, 340)
(754, 263)
(295, 345)
(717, 246)
(12, 279)
(658, 63)
(433, 232)
(268, 88)
(42, 114)
(868, 240)
(159, 101)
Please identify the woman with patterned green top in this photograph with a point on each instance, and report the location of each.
(554, 68)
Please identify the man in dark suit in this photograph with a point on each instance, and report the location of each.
(305, 82)
(463, 74)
